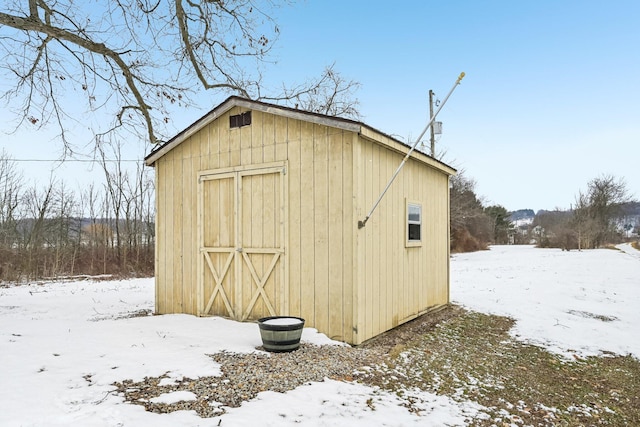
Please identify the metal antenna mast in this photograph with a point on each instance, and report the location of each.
(362, 223)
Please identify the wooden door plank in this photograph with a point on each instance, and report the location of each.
(200, 242)
(216, 227)
(270, 227)
(258, 215)
(238, 214)
(259, 282)
(219, 290)
(247, 212)
(284, 238)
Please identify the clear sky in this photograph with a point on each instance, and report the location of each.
(551, 97)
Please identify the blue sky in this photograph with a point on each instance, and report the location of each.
(551, 97)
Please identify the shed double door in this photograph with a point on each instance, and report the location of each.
(241, 216)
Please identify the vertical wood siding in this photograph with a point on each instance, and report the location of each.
(319, 209)
(397, 283)
(349, 283)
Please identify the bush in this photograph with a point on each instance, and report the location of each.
(463, 241)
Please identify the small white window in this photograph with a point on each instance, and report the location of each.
(414, 224)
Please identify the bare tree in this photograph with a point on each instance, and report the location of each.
(553, 229)
(63, 229)
(136, 61)
(51, 230)
(128, 204)
(134, 188)
(331, 94)
(11, 187)
(596, 210)
(10, 193)
(115, 180)
(37, 208)
(582, 222)
(471, 227)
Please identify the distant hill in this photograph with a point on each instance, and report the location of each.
(522, 218)
(521, 214)
(631, 209)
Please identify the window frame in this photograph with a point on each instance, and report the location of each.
(411, 243)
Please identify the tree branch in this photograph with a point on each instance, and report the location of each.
(123, 56)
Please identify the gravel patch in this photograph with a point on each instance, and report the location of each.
(246, 375)
(466, 356)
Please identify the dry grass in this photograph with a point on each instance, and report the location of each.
(471, 356)
(610, 246)
(463, 241)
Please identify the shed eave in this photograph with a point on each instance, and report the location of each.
(376, 136)
(188, 132)
(360, 128)
(234, 101)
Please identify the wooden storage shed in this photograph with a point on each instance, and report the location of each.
(257, 215)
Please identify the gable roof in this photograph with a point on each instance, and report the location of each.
(308, 116)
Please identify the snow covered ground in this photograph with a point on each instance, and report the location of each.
(573, 302)
(62, 345)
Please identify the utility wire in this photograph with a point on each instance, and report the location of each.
(73, 160)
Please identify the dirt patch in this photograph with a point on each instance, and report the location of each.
(471, 356)
(407, 332)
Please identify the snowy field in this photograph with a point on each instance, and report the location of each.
(583, 303)
(62, 345)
